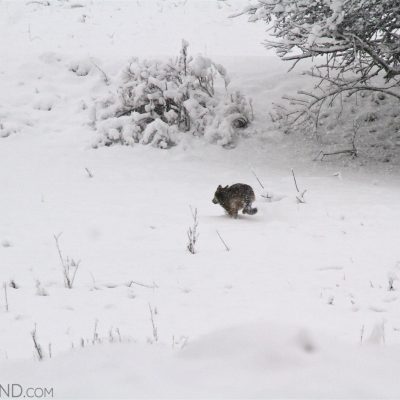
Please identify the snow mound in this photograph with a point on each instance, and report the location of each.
(256, 345)
(245, 361)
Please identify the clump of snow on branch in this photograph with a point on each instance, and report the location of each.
(158, 101)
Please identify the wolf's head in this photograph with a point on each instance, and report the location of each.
(218, 194)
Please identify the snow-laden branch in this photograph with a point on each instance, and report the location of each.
(352, 43)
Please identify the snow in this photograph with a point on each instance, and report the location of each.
(238, 362)
(299, 307)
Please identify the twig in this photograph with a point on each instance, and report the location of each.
(323, 154)
(37, 346)
(5, 296)
(119, 334)
(94, 282)
(105, 76)
(95, 333)
(89, 172)
(153, 286)
(192, 233)
(155, 332)
(251, 108)
(253, 172)
(67, 264)
(362, 334)
(30, 35)
(295, 182)
(42, 3)
(300, 196)
(223, 241)
(110, 335)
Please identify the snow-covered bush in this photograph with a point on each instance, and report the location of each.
(158, 101)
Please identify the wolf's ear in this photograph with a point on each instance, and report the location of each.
(219, 187)
(226, 187)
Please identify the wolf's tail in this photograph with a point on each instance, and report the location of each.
(250, 211)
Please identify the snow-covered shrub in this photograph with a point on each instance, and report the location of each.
(233, 114)
(159, 100)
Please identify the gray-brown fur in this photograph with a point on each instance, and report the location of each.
(235, 198)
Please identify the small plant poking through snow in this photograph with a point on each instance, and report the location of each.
(40, 290)
(160, 100)
(37, 346)
(153, 312)
(89, 173)
(5, 297)
(192, 233)
(96, 337)
(13, 284)
(300, 194)
(223, 241)
(69, 265)
(393, 276)
(391, 279)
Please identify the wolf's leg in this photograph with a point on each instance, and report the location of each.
(233, 213)
(247, 208)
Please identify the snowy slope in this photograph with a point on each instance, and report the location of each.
(301, 287)
(253, 361)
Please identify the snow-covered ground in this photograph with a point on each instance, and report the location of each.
(299, 307)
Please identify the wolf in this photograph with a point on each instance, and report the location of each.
(235, 198)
